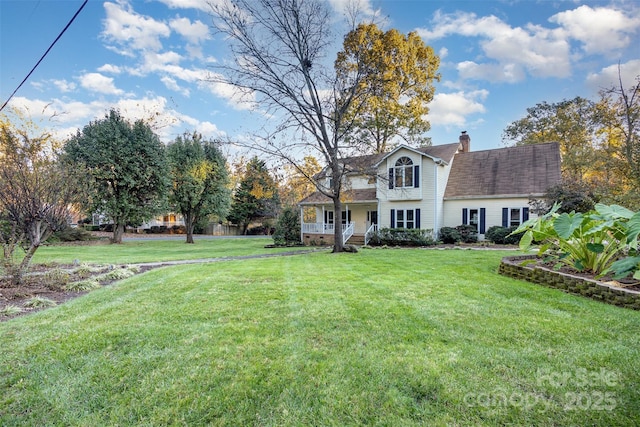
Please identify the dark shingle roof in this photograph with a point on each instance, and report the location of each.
(522, 170)
(444, 152)
(349, 196)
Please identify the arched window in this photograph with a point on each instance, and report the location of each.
(403, 172)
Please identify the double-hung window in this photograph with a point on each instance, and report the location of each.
(405, 218)
(513, 217)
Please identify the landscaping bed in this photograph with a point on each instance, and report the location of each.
(623, 293)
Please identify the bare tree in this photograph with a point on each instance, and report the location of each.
(625, 106)
(35, 194)
(278, 48)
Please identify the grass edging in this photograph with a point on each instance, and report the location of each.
(517, 268)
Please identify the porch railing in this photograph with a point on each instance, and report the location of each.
(347, 231)
(325, 228)
(370, 232)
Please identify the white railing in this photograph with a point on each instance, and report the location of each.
(370, 231)
(347, 231)
(313, 227)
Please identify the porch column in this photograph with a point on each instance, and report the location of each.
(301, 224)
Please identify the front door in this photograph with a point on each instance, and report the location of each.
(372, 218)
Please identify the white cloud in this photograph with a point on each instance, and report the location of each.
(364, 7)
(443, 52)
(539, 51)
(64, 86)
(64, 118)
(195, 32)
(110, 68)
(452, 109)
(189, 4)
(172, 84)
(131, 30)
(510, 73)
(601, 30)
(608, 76)
(96, 82)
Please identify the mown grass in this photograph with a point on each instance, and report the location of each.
(140, 251)
(382, 337)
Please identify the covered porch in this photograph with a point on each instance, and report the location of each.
(318, 220)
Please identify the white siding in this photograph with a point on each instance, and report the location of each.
(453, 210)
(427, 198)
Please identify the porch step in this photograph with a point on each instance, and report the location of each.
(356, 240)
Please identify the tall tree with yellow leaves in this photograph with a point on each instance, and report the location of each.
(399, 74)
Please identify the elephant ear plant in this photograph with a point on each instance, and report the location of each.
(601, 241)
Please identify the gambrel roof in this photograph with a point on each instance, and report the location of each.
(513, 171)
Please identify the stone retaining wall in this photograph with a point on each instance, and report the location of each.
(512, 267)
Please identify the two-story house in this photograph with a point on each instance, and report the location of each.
(433, 187)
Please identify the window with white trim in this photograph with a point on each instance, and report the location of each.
(403, 172)
(513, 217)
(406, 218)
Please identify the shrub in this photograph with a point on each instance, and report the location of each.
(56, 278)
(503, 235)
(38, 302)
(117, 274)
(287, 231)
(70, 234)
(83, 285)
(450, 235)
(402, 237)
(468, 233)
(10, 310)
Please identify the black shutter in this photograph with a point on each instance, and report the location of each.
(483, 214)
(465, 216)
(525, 214)
(393, 218)
(390, 178)
(417, 218)
(416, 176)
(505, 217)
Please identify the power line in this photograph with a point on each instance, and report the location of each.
(45, 54)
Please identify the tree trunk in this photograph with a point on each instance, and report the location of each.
(20, 270)
(118, 232)
(189, 225)
(338, 244)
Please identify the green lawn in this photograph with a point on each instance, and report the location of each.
(139, 251)
(381, 337)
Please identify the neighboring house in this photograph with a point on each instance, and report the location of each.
(433, 187)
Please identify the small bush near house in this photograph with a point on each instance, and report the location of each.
(450, 235)
(461, 233)
(502, 235)
(70, 234)
(468, 233)
(402, 237)
(287, 230)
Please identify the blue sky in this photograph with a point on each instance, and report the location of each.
(150, 59)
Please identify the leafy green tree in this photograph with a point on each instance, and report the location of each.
(571, 123)
(200, 180)
(35, 192)
(126, 168)
(287, 228)
(256, 196)
(399, 71)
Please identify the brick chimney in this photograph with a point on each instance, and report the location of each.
(465, 142)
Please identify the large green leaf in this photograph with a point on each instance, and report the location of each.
(613, 211)
(623, 267)
(566, 224)
(595, 247)
(633, 230)
(525, 240)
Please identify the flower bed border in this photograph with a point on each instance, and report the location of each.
(512, 267)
